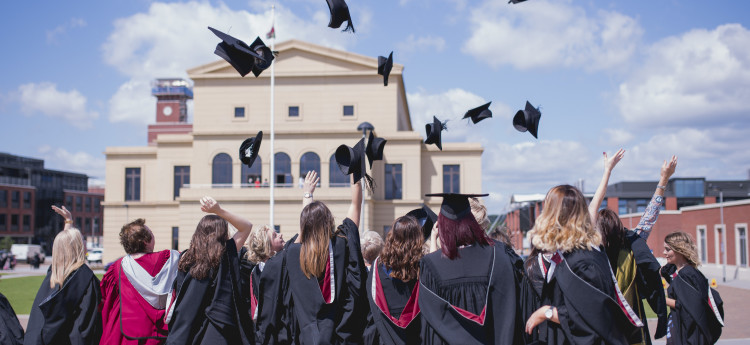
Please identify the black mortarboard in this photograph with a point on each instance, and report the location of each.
(266, 55)
(374, 150)
(527, 119)
(249, 149)
(385, 65)
(455, 206)
(236, 52)
(433, 132)
(426, 219)
(339, 15)
(515, 1)
(350, 159)
(479, 113)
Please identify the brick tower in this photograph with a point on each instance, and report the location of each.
(171, 108)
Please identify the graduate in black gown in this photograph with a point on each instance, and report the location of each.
(577, 291)
(393, 287)
(316, 294)
(262, 244)
(696, 310)
(208, 307)
(66, 307)
(11, 332)
(469, 289)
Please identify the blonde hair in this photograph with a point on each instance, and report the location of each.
(372, 244)
(683, 244)
(480, 213)
(68, 255)
(565, 223)
(259, 244)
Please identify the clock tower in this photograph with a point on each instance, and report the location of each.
(171, 108)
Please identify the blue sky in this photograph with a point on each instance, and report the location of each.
(655, 77)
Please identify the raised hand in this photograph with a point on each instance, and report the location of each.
(63, 212)
(311, 181)
(209, 205)
(668, 168)
(611, 162)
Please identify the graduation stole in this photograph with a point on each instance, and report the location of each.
(411, 310)
(328, 284)
(712, 304)
(253, 299)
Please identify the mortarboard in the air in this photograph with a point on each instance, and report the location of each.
(266, 56)
(479, 113)
(374, 150)
(426, 219)
(515, 1)
(455, 206)
(250, 148)
(236, 52)
(385, 65)
(339, 15)
(527, 119)
(433, 132)
(350, 159)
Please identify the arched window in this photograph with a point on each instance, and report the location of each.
(221, 170)
(283, 170)
(310, 161)
(336, 178)
(251, 176)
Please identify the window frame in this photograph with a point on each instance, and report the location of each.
(453, 174)
(135, 184)
(388, 193)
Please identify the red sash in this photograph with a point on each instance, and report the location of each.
(411, 310)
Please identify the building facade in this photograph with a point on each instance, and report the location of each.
(321, 96)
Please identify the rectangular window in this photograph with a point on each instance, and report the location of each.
(14, 198)
(239, 112)
(294, 111)
(277, 228)
(97, 204)
(702, 248)
(88, 204)
(132, 184)
(79, 223)
(26, 222)
(175, 237)
(69, 203)
(451, 178)
(13, 222)
(348, 110)
(181, 178)
(689, 188)
(87, 226)
(79, 204)
(392, 181)
(3, 222)
(3, 198)
(95, 226)
(26, 199)
(742, 243)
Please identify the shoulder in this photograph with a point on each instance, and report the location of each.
(348, 224)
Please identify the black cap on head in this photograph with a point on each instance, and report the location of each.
(426, 219)
(385, 65)
(479, 113)
(374, 150)
(433, 132)
(250, 148)
(350, 159)
(339, 15)
(527, 119)
(261, 64)
(236, 52)
(455, 206)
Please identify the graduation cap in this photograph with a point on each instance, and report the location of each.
(374, 150)
(455, 206)
(339, 14)
(351, 159)
(384, 67)
(433, 132)
(479, 113)
(527, 119)
(249, 149)
(242, 57)
(515, 1)
(426, 219)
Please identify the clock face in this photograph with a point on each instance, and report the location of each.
(167, 111)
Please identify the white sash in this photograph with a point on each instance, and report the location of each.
(155, 290)
(713, 306)
(621, 299)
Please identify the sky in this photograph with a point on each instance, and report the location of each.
(656, 78)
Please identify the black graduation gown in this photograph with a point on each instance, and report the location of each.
(274, 324)
(693, 320)
(249, 280)
(211, 310)
(312, 320)
(584, 293)
(649, 286)
(400, 298)
(484, 282)
(11, 332)
(532, 284)
(69, 315)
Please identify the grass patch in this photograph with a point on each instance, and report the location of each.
(21, 292)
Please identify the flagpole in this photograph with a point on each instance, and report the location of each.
(273, 136)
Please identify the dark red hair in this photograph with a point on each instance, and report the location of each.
(456, 233)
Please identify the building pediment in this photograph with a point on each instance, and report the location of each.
(298, 58)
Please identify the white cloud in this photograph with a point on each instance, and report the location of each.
(544, 33)
(699, 78)
(45, 98)
(53, 34)
(416, 44)
(171, 38)
(79, 162)
(616, 137)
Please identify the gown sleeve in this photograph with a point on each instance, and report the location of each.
(190, 304)
(354, 305)
(11, 332)
(649, 282)
(274, 303)
(87, 327)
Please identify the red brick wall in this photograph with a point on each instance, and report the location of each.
(670, 203)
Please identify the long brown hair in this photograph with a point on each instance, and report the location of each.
(316, 229)
(682, 243)
(206, 247)
(403, 248)
(565, 223)
(613, 234)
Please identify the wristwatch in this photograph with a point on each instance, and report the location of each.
(308, 195)
(549, 313)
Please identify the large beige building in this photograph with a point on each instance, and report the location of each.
(321, 96)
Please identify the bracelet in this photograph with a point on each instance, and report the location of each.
(69, 221)
(662, 187)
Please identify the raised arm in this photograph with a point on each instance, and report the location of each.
(654, 206)
(601, 191)
(65, 214)
(243, 226)
(311, 181)
(355, 208)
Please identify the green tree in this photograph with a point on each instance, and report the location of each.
(6, 242)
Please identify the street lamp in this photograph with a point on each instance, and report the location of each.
(364, 127)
